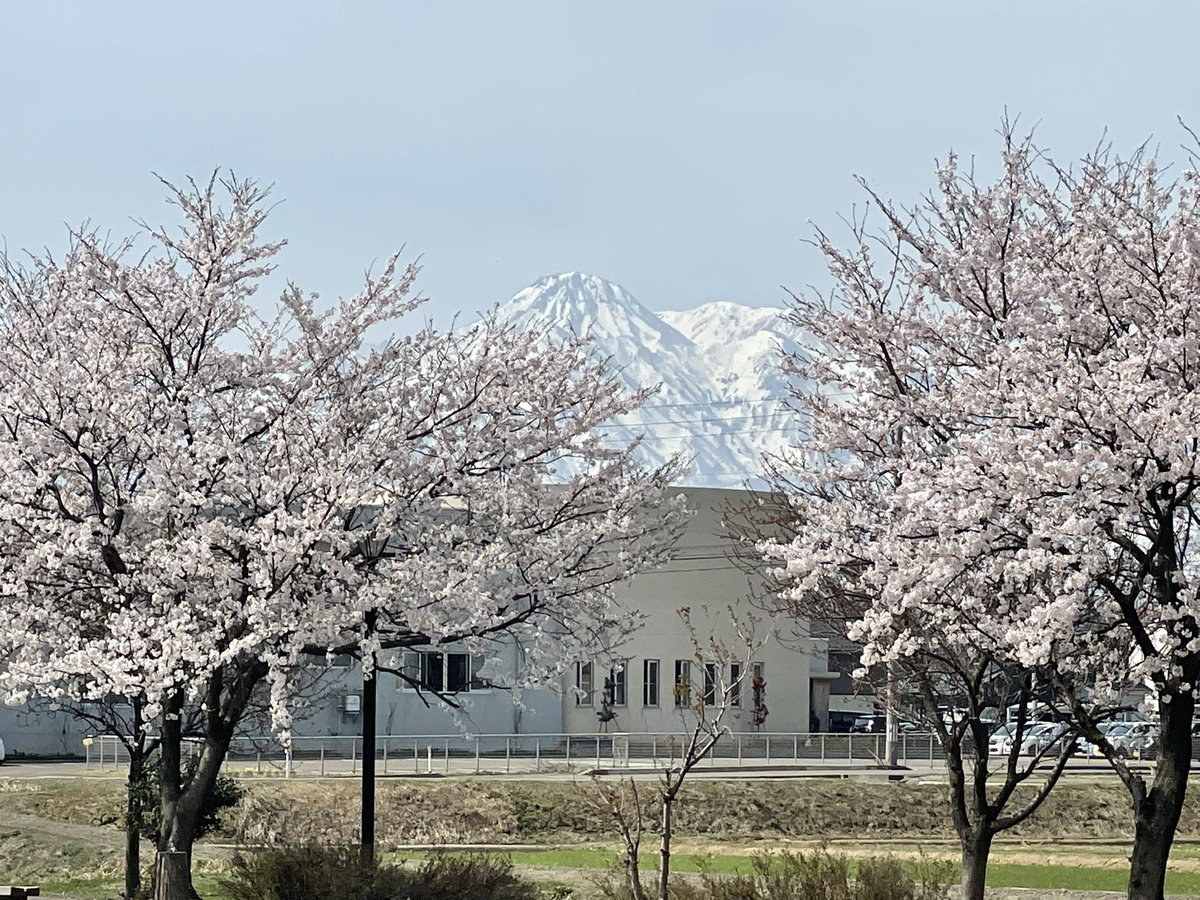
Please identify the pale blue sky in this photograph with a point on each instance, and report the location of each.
(679, 148)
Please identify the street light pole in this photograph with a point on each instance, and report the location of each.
(369, 692)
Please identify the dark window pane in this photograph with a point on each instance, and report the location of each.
(458, 672)
(431, 671)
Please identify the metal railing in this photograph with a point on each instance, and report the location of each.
(509, 753)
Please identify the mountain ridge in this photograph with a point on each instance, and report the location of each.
(722, 396)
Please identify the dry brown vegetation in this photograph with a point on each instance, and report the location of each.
(502, 812)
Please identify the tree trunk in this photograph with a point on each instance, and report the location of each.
(1157, 815)
(173, 876)
(976, 847)
(664, 852)
(133, 832)
(182, 805)
(633, 872)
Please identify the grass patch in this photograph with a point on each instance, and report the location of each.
(1000, 875)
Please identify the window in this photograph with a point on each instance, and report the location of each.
(735, 684)
(458, 672)
(710, 684)
(584, 684)
(650, 682)
(448, 673)
(683, 682)
(616, 676)
(433, 674)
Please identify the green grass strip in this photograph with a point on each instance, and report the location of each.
(1014, 875)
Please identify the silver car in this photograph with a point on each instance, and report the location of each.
(1043, 738)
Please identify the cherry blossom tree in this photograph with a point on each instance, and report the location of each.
(1005, 435)
(193, 491)
(950, 688)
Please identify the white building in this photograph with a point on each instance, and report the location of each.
(644, 669)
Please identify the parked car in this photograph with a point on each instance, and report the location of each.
(1045, 737)
(840, 721)
(1135, 740)
(1, 750)
(1110, 730)
(870, 725)
(1001, 741)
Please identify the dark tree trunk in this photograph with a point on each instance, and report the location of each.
(133, 820)
(1156, 816)
(182, 805)
(976, 848)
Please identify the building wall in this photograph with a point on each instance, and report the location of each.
(403, 711)
(41, 731)
(701, 578)
(705, 581)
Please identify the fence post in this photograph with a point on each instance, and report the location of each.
(795, 749)
(768, 761)
(353, 758)
(537, 754)
(322, 759)
(931, 748)
(258, 761)
(568, 751)
(822, 746)
(446, 755)
(385, 756)
(739, 749)
(476, 754)
(850, 746)
(508, 754)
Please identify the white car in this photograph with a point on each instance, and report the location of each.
(1043, 737)
(1, 750)
(1000, 743)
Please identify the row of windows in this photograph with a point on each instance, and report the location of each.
(449, 673)
(614, 688)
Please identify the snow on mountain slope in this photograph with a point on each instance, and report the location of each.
(721, 397)
(740, 346)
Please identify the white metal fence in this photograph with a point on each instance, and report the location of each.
(514, 753)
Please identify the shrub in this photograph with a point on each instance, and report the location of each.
(335, 873)
(816, 875)
(292, 873)
(458, 877)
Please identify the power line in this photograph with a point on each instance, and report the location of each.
(708, 403)
(708, 421)
(682, 437)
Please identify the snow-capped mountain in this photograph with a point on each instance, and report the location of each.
(721, 401)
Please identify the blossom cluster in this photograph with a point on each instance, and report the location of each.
(189, 486)
(1003, 441)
